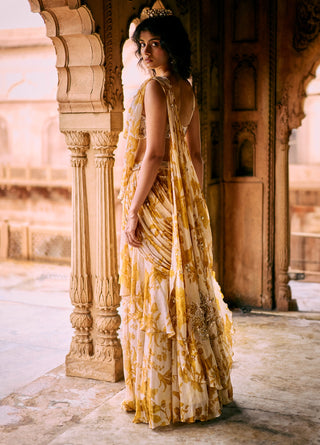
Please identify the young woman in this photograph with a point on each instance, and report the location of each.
(176, 329)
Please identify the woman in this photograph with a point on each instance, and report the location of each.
(176, 329)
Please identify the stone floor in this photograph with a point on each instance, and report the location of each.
(275, 375)
(35, 330)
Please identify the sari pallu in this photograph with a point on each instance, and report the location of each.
(176, 329)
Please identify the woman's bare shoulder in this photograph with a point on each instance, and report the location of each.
(154, 90)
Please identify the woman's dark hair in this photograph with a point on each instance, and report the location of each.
(173, 38)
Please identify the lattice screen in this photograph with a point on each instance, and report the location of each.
(39, 243)
(15, 249)
(50, 246)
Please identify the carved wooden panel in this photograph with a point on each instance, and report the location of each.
(247, 159)
(244, 242)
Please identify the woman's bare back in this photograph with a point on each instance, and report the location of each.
(185, 101)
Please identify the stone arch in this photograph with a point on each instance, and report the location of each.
(289, 114)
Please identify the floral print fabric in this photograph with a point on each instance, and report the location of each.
(176, 328)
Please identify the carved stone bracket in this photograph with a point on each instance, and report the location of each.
(80, 54)
(80, 284)
(107, 299)
(307, 26)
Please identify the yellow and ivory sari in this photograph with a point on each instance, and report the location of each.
(176, 329)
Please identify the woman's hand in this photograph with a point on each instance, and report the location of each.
(132, 231)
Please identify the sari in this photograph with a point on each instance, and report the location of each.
(176, 328)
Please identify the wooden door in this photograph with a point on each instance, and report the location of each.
(240, 150)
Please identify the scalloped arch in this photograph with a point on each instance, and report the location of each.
(80, 54)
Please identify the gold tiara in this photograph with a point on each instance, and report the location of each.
(158, 12)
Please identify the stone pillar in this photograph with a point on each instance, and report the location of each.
(80, 283)
(108, 354)
(283, 298)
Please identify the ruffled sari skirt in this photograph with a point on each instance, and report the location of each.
(165, 375)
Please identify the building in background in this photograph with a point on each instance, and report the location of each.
(35, 177)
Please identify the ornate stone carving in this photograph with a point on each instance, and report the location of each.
(81, 345)
(77, 142)
(307, 26)
(238, 127)
(80, 54)
(283, 119)
(282, 236)
(104, 142)
(80, 283)
(107, 299)
(244, 141)
(113, 93)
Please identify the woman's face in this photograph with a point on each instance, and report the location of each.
(154, 57)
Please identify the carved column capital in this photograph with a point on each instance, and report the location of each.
(104, 142)
(77, 141)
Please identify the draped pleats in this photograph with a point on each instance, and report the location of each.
(176, 329)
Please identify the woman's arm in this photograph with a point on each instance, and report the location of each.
(194, 143)
(156, 122)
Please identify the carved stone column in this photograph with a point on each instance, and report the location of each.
(283, 298)
(108, 354)
(80, 284)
